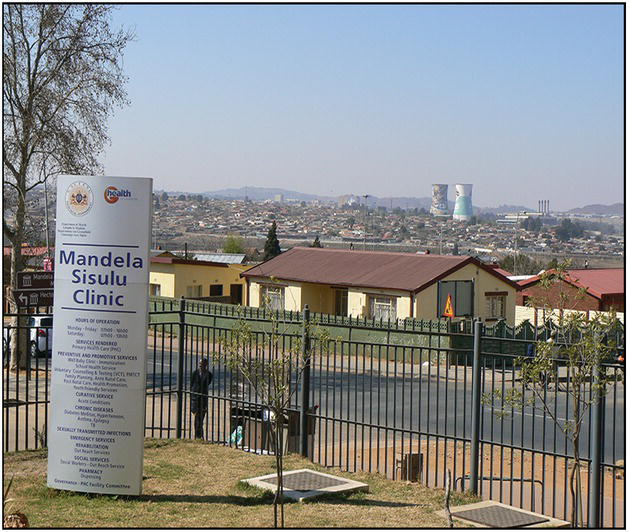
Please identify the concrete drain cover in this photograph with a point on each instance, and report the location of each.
(494, 514)
(500, 517)
(304, 484)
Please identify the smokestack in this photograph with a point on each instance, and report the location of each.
(463, 205)
(439, 205)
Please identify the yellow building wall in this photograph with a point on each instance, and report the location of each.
(292, 294)
(357, 301)
(426, 300)
(253, 294)
(166, 281)
(174, 278)
(319, 298)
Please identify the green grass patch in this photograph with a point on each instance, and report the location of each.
(191, 484)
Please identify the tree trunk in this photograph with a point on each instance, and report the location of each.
(19, 336)
(575, 475)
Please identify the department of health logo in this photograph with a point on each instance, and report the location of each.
(113, 194)
(79, 198)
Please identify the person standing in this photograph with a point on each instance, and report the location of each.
(199, 386)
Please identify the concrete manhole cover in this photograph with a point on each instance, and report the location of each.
(500, 517)
(495, 514)
(305, 483)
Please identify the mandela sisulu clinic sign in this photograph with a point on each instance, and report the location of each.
(96, 427)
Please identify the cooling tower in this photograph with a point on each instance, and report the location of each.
(463, 204)
(439, 206)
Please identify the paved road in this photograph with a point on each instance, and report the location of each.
(431, 404)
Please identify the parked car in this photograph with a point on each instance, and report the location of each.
(40, 336)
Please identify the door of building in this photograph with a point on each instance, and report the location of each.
(235, 291)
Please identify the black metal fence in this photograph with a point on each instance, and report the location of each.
(409, 399)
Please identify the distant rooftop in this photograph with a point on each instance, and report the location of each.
(227, 258)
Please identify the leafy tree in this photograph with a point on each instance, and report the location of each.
(234, 244)
(523, 264)
(164, 196)
(272, 244)
(568, 229)
(62, 76)
(316, 243)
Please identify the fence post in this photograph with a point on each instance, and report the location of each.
(476, 410)
(595, 455)
(305, 382)
(180, 362)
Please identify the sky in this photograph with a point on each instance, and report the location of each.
(526, 102)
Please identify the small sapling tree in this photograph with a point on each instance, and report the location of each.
(569, 362)
(273, 374)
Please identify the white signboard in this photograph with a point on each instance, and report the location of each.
(96, 427)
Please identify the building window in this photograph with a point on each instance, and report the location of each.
(155, 289)
(272, 297)
(496, 306)
(382, 308)
(194, 291)
(340, 302)
(216, 289)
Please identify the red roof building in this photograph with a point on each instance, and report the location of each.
(359, 283)
(604, 290)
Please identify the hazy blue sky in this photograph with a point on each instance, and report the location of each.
(525, 102)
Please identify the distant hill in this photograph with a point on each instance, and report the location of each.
(263, 193)
(616, 209)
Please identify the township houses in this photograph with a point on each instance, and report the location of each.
(604, 290)
(172, 276)
(381, 285)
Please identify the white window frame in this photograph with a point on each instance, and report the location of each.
(496, 306)
(272, 297)
(383, 307)
(155, 289)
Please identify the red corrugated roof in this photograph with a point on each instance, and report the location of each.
(370, 269)
(598, 282)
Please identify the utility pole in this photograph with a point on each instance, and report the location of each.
(515, 243)
(365, 222)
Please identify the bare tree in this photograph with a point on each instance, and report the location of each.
(62, 76)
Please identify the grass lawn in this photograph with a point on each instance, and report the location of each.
(194, 484)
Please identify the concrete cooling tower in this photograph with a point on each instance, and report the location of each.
(463, 204)
(439, 206)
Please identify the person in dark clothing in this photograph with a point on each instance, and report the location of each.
(199, 385)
